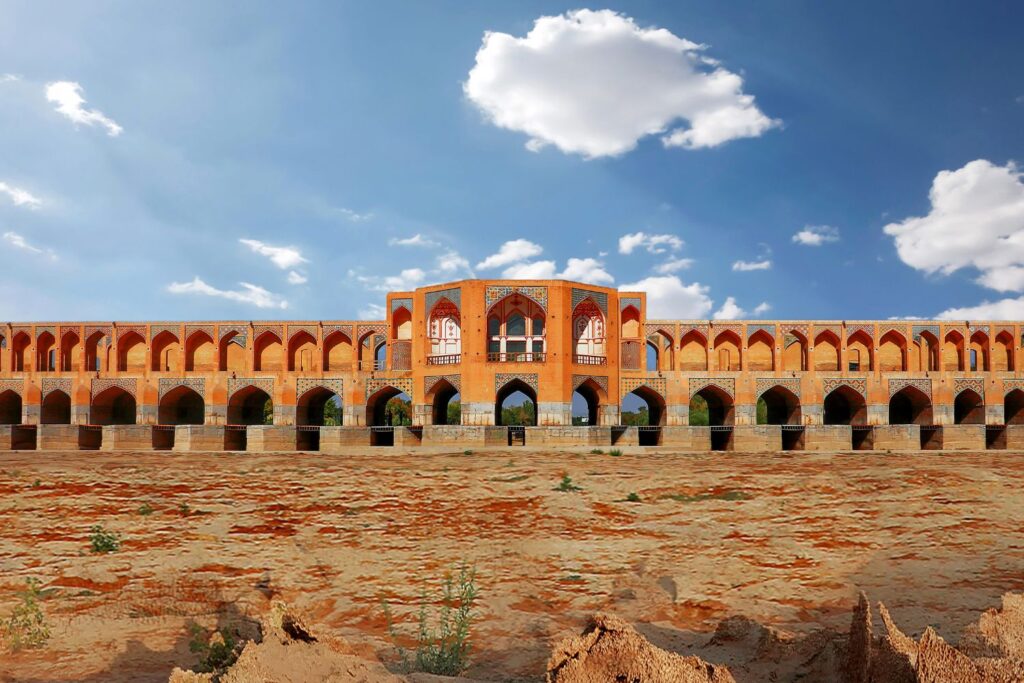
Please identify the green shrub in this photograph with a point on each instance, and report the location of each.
(633, 497)
(145, 509)
(26, 626)
(597, 451)
(566, 485)
(442, 643)
(467, 452)
(615, 452)
(216, 651)
(184, 509)
(103, 541)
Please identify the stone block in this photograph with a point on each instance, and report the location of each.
(336, 440)
(59, 437)
(197, 438)
(897, 438)
(456, 436)
(406, 437)
(828, 438)
(686, 438)
(625, 436)
(269, 438)
(963, 438)
(496, 436)
(757, 438)
(127, 438)
(1015, 437)
(568, 436)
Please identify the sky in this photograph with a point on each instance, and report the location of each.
(262, 160)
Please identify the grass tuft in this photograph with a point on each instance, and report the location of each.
(26, 627)
(145, 510)
(615, 452)
(566, 485)
(103, 541)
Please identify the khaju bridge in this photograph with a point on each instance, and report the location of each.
(751, 385)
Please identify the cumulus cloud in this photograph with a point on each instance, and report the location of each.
(531, 270)
(511, 252)
(9, 78)
(249, 294)
(354, 216)
(452, 262)
(976, 221)
(372, 312)
(19, 242)
(744, 266)
(594, 83)
(668, 297)
(730, 310)
(282, 257)
(654, 244)
(19, 196)
(67, 95)
(816, 235)
(762, 308)
(1004, 309)
(673, 265)
(588, 270)
(410, 278)
(416, 240)
(297, 278)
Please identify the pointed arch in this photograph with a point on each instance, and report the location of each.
(166, 352)
(826, 351)
(181, 405)
(337, 351)
(953, 351)
(859, 352)
(200, 352)
(844, 405)
(55, 408)
(516, 329)
(1013, 407)
(718, 404)
(131, 352)
(439, 397)
(510, 387)
(630, 321)
(10, 407)
(728, 351)
(302, 352)
(249, 406)
(930, 350)
(593, 396)
(892, 352)
(444, 329)
(910, 405)
(95, 349)
(589, 333)
(70, 359)
(46, 353)
(783, 406)
(1002, 357)
(968, 408)
(693, 351)
(19, 352)
(761, 351)
(311, 407)
(113, 406)
(977, 353)
(231, 355)
(794, 355)
(376, 405)
(267, 350)
(654, 401)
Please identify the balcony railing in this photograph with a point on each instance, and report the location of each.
(582, 359)
(371, 365)
(446, 359)
(516, 357)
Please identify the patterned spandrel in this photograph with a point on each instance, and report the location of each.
(599, 298)
(496, 293)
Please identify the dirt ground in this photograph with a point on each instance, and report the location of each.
(787, 540)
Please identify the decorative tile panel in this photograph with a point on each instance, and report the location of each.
(430, 382)
(344, 329)
(454, 295)
(1011, 384)
(15, 385)
(667, 329)
(277, 330)
(376, 384)
(65, 331)
(866, 329)
(726, 384)
(630, 384)
(51, 384)
(898, 384)
(376, 328)
(240, 330)
(728, 327)
(602, 382)
(399, 303)
(763, 384)
(685, 329)
(802, 330)
(978, 328)
(90, 330)
(332, 384)
(830, 384)
(753, 329)
(975, 384)
(627, 301)
(155, 330)
(837, 330)
(192, 329)
(931, 329)
(295, 329)
(128, 329)
(129, 384)
(236, 384)
(41, 330)
(196, 384)
(503, 378)
(600, 298)
(496, 293)
(900, 328)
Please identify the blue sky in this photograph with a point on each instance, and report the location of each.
(264, 160)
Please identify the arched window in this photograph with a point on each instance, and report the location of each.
(854, 356)
(588, 333)
(445, 332)
(515, 330)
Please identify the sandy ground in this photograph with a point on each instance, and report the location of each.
(787, 540)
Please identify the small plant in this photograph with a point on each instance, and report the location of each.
(216, 651)
(467, 452)
(184, 509)
(566, 485)
(597, 451)
(145, 509)
(615, 452)
(633, 497)
(103, 541)
(36, 484)
(574, 578)
(442, 649)
(26, 627)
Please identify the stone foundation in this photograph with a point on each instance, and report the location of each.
(828, 438)
(756, 438)
(897, 438)
(58, 438)
(686, 438)
(338, 440)
(963, 438)
(127, 438)
(198, 438)
(264, 439)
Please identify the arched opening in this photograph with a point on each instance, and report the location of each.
(268, 350)
(69, 352)
(446, 408)
(1002, 357)
(337, 352)
(643, 407)
(968, 408)
(131, 353)
(232, 353)
(166, 353)
(845, 406)
(95, 349)
(389, 407)
(1013, 408)
(953, 352)
(794, 356)
(714, 403)
(652, 356)
(515, 404)
(320, 407)
(401, 323)
(693, 352)
(928, 351)
(910, 406)
(858, 352)
(250, 406)
(516, 330)
(761, 352)
(586, 401)
(56, 409)
(892, 352)
(445, 332)
(782, 407)
(380, 355)
(200, 353)
(181, 406)
(301, 352)
(46, 353)
(10, 408)
(113, 406)
(979, 352)
(727, 346)
(826, 352)
(19, 352)
(588, 332)
(630, 323)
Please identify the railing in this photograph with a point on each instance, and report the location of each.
(371, 365)
(516, 357)
(581, 359)
(307, 428)
(447, 359)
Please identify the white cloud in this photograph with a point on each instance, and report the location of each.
(354, 216)
(282, 257)
(531, 270)
(20, 242)
(510, 252)
(19, 196)
(452, 262)
(249, 294)
(668, 297)
(67, 95)
(816, 235)
(416, 240)
(673, 265)
(408, 279)
(762, 308)
(9, 78)
(744, 266)
(594, 83)
(729, 310)
(655, 244)
(1004, 309)
(976, 221)
(588, 270)
(372, 312)
(297, 278)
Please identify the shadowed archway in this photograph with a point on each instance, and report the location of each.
(56, 409)
(441, 396)
(968, 408)
(320, 407)
(910, 406)
(782, 406)
(182, 406)
(845, 406)
(113, 406)
(509, 391)
(719, 407)
(10, 408)
(250, 406)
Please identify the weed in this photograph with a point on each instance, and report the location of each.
(216, 651)
(467, 452)
(566, 485)
(615, 452)
(184, 509)
(730, 494)
(103, 541)
(597, 451)
(443, 648)
(633, 497)
(36, 484)
(145, 509)
(574, 578)
(26, 627)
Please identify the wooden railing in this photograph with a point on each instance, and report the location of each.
(516, 357)
(583, 359)
(445, 359)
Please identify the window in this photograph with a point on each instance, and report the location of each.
(974, 359)
(538, 325)
(723, 359)
(493, 327)
(854, 355)
(51, 360)
(445, 329)
(515, 325)
(588, 330)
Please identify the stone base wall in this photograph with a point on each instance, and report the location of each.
(828, 438)
(897, 438)
(7, 437)
(554, 413)
(198, 438)
(57, 438)
(127, 438)
(337, 440)
(963, 438)
(757, 438)
(1015, 437)
(686, 438)
(262, 439)
(568, 436)
(453, 435)
(405, 437)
